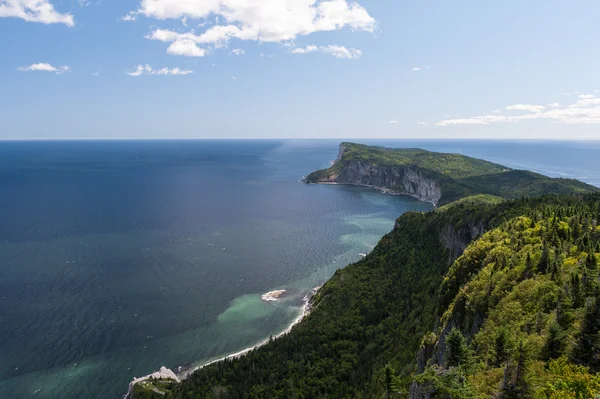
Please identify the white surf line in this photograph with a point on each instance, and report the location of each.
(186, 373)
(302, 315)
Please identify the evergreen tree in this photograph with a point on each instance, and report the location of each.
(554, 346)
(528, 266)
(502, 346)
(564, 313)
(457, 350)
(576, 291)
(588, 348)
(591, 261)
(588, 282)
(517, 387)
(387, 380)
(543, 263)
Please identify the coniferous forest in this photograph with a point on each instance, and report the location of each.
(516, 315)
(483, 297)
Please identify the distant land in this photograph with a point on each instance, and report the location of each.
(495, 293)
(437, 177)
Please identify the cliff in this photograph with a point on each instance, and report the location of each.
(438, 178)
(407, 180)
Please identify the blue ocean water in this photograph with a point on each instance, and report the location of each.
(118, 257)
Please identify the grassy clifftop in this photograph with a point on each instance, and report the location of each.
(451, 165)
(455, 176)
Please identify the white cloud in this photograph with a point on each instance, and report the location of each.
(148, 70)
(586, 102)
(237, 51)
(416, 69)
(187, 48)
(336, 51)
(525, 107)
(34, 11)
(45, 67)
(342, 52)
(393, 122)
(586, 110)
(303, 50)
(422, 123)
(263, 21)
(132, 16)
(586, 96)
(97, 73)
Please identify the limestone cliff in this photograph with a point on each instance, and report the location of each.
(407, 180)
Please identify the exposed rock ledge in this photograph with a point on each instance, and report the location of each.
(406, 180)
(163, 373)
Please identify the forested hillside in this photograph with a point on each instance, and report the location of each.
(520, 310)
(514, 315)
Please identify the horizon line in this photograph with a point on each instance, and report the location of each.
(584, 139)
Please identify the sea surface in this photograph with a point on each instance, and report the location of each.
(118, 257)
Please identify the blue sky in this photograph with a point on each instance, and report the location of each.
(299, 68)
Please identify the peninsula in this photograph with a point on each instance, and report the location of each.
(436, 177)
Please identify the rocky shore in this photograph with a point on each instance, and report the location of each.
(167, 374)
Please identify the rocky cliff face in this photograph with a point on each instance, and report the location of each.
(455, 240)
(408, 180)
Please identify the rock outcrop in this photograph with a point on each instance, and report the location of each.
(457, 240)
(163, 373)
(407, 180)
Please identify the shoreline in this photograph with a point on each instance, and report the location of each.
(382, 190)
(183, 372)
(306, 308)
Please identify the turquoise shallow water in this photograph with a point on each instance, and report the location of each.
(119, 257)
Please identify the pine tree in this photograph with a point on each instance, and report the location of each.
(555, 271)
(576, 291)
(387, 380)
(554, 346)
(457, 350)
(591, 261)
(502, 346)
(587, 351)
(564, 314)
(543, 263)
(517, 387)
(588, 282)
(528, 266)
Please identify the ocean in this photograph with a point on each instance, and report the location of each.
(118, 257)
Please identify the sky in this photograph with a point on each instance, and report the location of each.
(123, 69)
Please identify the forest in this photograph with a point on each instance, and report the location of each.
(517, 314)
